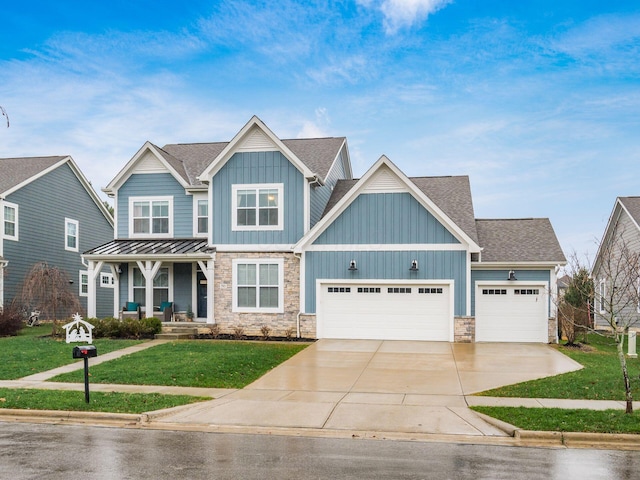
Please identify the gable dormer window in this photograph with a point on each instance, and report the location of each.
(257, 207)
(150, 216)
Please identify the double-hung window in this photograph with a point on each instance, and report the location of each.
(257, 207)
(70, 235)
(258, 285)
(10, 220)
(200, 216)
(84, 283)
(160, 286)
(150, 216)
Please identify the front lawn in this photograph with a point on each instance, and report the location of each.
(192, 363)
(34, 351)
(600, 379)
(563, 420)
(114, 402)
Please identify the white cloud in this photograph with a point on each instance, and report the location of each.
(405, 13)
(317, 128)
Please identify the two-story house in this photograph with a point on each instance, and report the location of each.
(263, 231)
(50, 213)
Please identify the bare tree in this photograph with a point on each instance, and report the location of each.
(616, 272)
(48, 289)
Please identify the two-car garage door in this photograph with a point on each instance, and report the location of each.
(385, 311)
(511, 313)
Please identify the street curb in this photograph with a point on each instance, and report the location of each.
(72, 416)
(580, 439)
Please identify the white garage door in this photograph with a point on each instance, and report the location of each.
(514, 313)
(385, 311)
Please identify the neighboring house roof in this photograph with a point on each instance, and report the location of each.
(15, 171)
(519, 240)
(146, 248)
(451, 194)
(632, 205)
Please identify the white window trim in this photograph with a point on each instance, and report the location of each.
(602, 293)
(257, 262)
(67, 222)
(256, 186)
(110, 282)
(81, 283)
(132, 267)
(197, 198)
(169, 234)
(15, 208)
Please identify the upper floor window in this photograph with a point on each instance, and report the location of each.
(70, 235)
(257, 207)
(10, 228)
(150, 216)
(201, 216)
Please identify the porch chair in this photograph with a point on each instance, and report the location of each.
(167, 311)
(131, 310)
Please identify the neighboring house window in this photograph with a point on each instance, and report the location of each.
(10, 221)
(150, 216)
(160, 286)
(84, 283)
(602, 292)
(71, 235)
(106, 280)
(257, 207)
(201, 217)
(258, 285)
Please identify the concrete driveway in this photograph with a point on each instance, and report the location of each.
(379, 386)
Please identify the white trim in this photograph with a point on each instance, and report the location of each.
(279, 187)
(254, 247)
(67, 236)
(151, 199)
(15, 237)
(258, 261)
(515, 265)
(157, 266)
(382, 247)
(81, 283)
(196, 199)
(110, 280)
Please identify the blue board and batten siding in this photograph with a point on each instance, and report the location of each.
(43, 206)
(385, 218)
(156, 185)
(502, 275)
(254, 168)
(320, 195)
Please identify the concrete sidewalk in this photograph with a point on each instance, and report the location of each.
(337, 387)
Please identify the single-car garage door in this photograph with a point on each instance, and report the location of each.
(511, 313)
(385, 311)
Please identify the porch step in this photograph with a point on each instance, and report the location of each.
(177, 332)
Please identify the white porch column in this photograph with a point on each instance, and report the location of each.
(92, 273)
(208, 269)
(149, 269)
(115, 271)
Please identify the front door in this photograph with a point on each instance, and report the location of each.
(202, 295)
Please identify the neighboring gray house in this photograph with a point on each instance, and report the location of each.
(622, 233)
(50, 213)
(263, 231)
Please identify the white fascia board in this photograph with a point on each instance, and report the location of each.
(515, 265)
(346, 161)
(425, 201)
(161, 258)
(387, 247)
(126, 172)
(229, 150)
(258, 248)
(38, 175)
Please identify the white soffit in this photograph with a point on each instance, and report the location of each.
(256, 140)
(384, 181)
(149, 163)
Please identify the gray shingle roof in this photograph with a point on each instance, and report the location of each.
(14, 171)
(451, 194)
(632, 204)
(190, 159)
(519, 240)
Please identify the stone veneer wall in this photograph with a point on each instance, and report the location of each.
(281, 324)
(464, 329)
(553, 330)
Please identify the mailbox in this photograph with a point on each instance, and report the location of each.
(85, 351)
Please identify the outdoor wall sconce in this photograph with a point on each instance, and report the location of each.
(352, 265)
(512, 275)
(414, 266)
(119, 269)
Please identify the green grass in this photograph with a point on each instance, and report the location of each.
(562, 420)
(33, 351)
(600, 379)
(113, 402)
(199, 363)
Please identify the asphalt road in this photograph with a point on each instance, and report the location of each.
(29, 451)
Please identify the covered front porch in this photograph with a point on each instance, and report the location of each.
(153, 273)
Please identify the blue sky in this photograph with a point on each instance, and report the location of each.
(537, 101)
